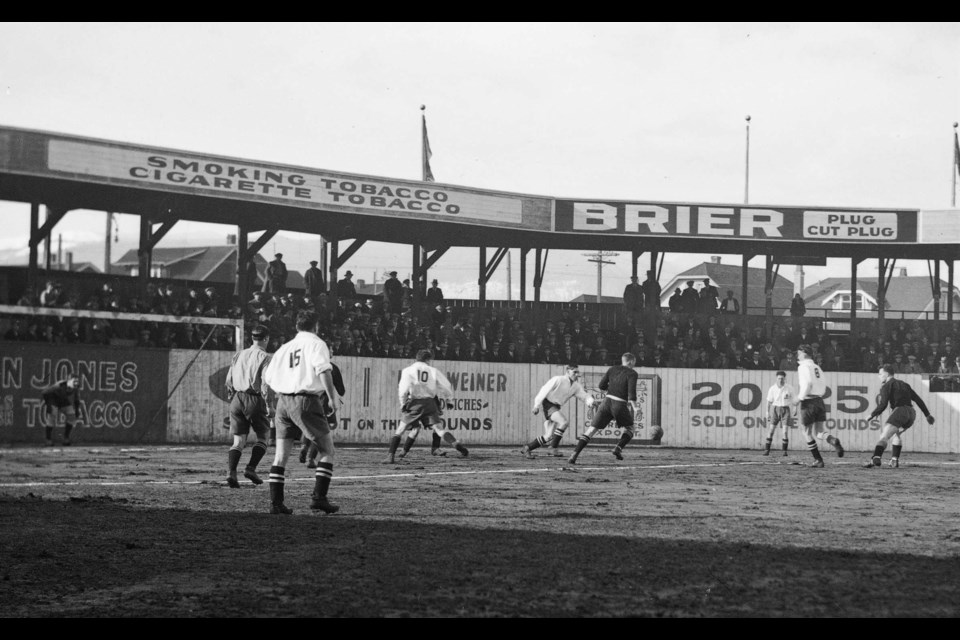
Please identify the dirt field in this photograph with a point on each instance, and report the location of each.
(91, 531)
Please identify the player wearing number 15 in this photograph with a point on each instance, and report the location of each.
(813, 414)
(300, 374)
(421, 388)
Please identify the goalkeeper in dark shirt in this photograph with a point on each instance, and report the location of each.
(619, 404)
(62, 398)
(901, 397)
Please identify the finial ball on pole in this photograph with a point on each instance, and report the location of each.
(748, 118)
(423, 107)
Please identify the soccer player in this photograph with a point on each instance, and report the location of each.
(300, 374)
(248, 406)
(901, 397)
(813, 415)
(421, 390)
(64, 396)
(308, 450)
(620, 404)
(779, 397)
(550, 398)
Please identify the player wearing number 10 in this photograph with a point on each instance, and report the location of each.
(813, 414)
(421, 389)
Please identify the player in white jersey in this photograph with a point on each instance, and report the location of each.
(779, 398)
(552, 395)
(300, 374)
(813, 415)
(422, 388)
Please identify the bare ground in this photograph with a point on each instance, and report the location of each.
(111, 531)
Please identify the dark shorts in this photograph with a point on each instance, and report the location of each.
(902, 417)
(812, 411)
(420, 411)
(780, 414)
(549, 408)
(611, 410)
(299, 416)
(249, 411)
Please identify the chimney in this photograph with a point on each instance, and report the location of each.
(798, 283)
(69, 260)
(715, 259)
(903, 272)
(231, 239)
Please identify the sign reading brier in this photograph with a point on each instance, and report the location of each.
(709, 221)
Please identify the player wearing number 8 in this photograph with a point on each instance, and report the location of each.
(422, 388)
(813, 414)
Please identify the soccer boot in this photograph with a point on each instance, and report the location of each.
(311, 464)
(839, 449)
(572, 459)
(303, 454)
(525, 453)
(766, 452)
(438, 452)
(874, 462)
(232, 482)
(555, 452)
(388, 460)
(280, 509)
(784, 454)
(894, 463)
(616, 454)
(464, 452)
(252, 476)
(817, 464)
(322, 504)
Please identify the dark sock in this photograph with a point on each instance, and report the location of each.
(535, 443)
(785, 443)
(323, 477)
(256, 455)
(407, 445)
(394, 443)
(276, 485)
(48, 431)
(582, 442)
(557, 437)
(233, 459)
(896, 449)
(435, 442)
(878, 451)
(624, 439)
(769, 442)
(66, 430)
(314, 452)
(812, 446)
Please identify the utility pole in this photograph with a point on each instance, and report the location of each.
(509, 278)
(598, 257)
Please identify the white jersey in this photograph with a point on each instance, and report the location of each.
(780, 396)
(420, 380)
(559, 389)
(296, 366)
(812, 382)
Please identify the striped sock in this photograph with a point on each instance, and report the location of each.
(557, 437)
(582, 442)
(812, 446)
(276, 485)
(323, 477)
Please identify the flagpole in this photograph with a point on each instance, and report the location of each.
(746, 186)
(956, 166)
(426, 173)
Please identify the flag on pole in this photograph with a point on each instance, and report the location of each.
(427, 154)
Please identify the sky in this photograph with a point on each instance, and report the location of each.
(841, 114)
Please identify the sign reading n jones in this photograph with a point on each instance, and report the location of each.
(280, 184)
(734, 222)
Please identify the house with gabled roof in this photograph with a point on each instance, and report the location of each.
(729, 277)
(203, 264)
(908, 297)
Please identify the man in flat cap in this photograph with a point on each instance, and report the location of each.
(314, 281)
(249, 404)
(275, 277)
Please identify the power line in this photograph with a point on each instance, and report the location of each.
(598, 257)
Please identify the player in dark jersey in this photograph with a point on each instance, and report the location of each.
(901, 397)
(62, 398)
(619, 404)
(308, 449)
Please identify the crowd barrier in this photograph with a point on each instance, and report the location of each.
(178, 396)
